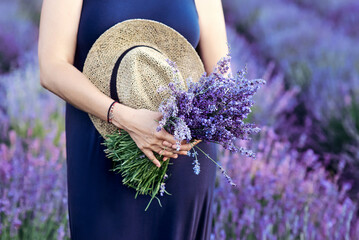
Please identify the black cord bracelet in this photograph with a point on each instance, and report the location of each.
(108, 112)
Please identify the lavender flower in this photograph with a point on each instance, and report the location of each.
(196, 167)
(212, 109)
(195, 162)
(162, 188)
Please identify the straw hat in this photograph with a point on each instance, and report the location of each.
(128, 63)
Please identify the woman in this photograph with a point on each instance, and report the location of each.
(100, 207)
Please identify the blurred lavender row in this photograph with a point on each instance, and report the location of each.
(341, 15)
(17, 35)
(277, 198)
(284, 193)
(322, 62)
(310, 103)
(33, 191)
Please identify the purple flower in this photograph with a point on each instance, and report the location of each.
(162, 188)
(213, 108)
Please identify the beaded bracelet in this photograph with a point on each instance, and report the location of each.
(110, 112)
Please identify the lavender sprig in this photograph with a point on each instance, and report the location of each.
(212, 109)
(196, 164)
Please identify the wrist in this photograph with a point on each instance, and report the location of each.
(110, 112)
(121, 116)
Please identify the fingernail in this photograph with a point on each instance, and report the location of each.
(176, 156)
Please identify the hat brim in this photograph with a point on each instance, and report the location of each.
(104, 53)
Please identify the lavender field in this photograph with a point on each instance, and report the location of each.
(304, 182)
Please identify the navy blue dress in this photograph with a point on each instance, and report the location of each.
(100, 206)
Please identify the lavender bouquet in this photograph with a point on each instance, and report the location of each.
(212, 109)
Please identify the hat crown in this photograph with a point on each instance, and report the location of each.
(141, 72)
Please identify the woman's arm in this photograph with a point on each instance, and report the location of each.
(213, 37)
(59, 24)
(57, 42)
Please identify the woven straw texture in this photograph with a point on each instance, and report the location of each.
(142, 70)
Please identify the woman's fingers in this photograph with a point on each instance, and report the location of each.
(169, 145)
(152, 157)
(164, 135)
(168, 140)
(187, 146)
(164, 152)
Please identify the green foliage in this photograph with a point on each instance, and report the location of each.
(36, 228)
(137, 170)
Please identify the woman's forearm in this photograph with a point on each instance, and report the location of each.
(67, 82)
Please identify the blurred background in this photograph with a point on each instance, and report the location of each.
(304, 183)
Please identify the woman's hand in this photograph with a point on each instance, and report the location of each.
(141, 124)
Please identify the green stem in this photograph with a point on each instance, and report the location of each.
(209, 157)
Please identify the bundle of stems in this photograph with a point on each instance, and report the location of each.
(136, 169)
